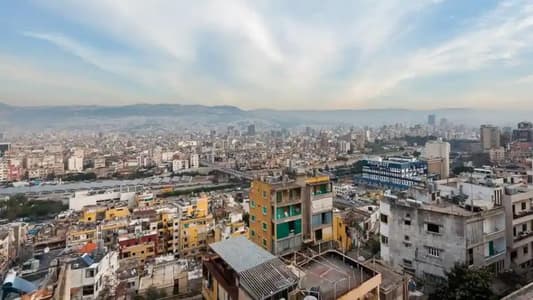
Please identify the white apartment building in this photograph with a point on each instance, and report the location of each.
(180, 164)
(75, 164)
(518, 202)
(4, 169)
(424, 233)
(83, 198)
(194, 161)
(88, 276)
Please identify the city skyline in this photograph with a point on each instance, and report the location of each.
(415, 55)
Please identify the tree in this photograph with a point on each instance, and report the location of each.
(464, 283)
(462, 169)
(246, 219)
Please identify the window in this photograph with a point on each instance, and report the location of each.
(279, 196)
(406, 237)
(89, 273)
(407, 222)
(264, 194)
(252, 217)
(513, 255)
(384, 240)
(433, 228)
(88, 290)
(252, 204)
(265, 226)
(470, 256)
(253, 232)
(264, 211)
(407, 262)
(264, 242)
(384, 218)
(524, 227)
(523, 205)
(434, 252)
(525, 249)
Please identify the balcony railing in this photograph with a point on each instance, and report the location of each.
(523, 214)
(496, 253)
(523, 235)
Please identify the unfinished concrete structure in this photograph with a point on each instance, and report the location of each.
(424, 234)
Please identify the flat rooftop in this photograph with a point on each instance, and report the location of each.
(334, 274)
(390, 279)
(240, 253)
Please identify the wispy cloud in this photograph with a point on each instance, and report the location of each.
(283, 54)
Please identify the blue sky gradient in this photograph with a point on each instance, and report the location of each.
(418, 54)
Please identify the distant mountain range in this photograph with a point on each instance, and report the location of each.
(139, 115)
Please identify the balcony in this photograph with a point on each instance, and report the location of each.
(494, 234)
(497, 255)
(523, 214)
(320, 195)
(523, 235)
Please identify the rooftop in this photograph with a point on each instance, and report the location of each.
(267, 279)
(241, 254)
(334, 274)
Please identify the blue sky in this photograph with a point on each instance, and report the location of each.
(418, 54)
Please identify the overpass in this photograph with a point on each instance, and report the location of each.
(229, 171)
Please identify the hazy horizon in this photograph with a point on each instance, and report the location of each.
(417, 55)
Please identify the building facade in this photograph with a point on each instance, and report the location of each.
(424, 234)
(395, 173)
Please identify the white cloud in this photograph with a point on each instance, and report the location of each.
(282, 58)
(497, 39)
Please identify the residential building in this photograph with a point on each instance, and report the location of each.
(438, 151)
(285, 213)
(317, 210)
(424, 233)
(75, 164)
(180, 164)
(489, 137)
(99, 162)
(194, 161)
(518, 202)
(497, 155)
(195, 224)
(4, 169)
(87, 276)
(239, 269)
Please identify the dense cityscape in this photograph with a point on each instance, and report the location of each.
(266, 150)
(256, 213)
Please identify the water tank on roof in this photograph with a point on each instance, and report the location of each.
(310, 298)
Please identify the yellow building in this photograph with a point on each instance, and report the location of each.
(141, 252)
(93, 213)
(261, 224)
(194, 225)
(117, 213)
(340, 233)
(168, 227)
(285, 213)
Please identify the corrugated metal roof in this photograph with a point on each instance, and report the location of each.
(267, 279)
(241, 254)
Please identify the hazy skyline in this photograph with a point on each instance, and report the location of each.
(268, 54)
